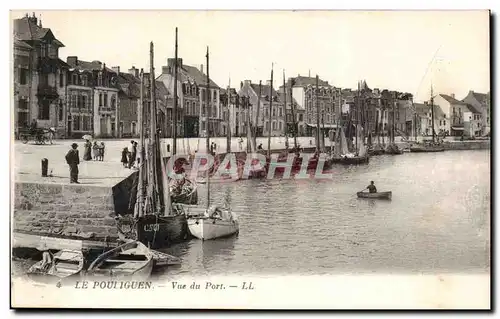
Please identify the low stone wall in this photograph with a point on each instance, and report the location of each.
(65, 210)
(468, 145)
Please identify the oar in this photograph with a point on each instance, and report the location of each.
(362, 190)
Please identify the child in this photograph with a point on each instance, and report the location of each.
(125, 157)
(95, 151)
(101, 152)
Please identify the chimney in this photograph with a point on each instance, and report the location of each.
(247, 82)
(426, 103)
(165, 69)
(133, 71)
(452, 95)
(201, 68)
(241, 84)
(268, 82)
(72, 60)
(116, 69)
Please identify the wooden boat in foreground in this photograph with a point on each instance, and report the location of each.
(162, 259)
(62, 265)
(378, 195)
(131, 259)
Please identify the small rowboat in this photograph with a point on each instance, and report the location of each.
(162, 260)
(65, 264)
(379, 195)
(131, 259)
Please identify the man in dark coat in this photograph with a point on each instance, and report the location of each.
(73, 159)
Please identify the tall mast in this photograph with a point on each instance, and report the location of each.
(270, 114)
(257, 116)
(432, 113)
(294, 120)
(139, 212)
(228, 141)
(208, 128)
(284, 103)
(317, 114)
(174, 113)
(155, 138)
(357, 119)
(395, 101)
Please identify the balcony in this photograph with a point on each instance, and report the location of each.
(47, 91)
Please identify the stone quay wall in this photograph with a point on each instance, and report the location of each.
(65, 210)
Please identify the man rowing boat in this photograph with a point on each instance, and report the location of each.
(371, 188)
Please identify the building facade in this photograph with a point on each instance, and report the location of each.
(94, 90)
(482, 103)
(269, 121)
(40, 93)
(194, 115)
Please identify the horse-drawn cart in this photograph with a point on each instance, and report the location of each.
(39, 135)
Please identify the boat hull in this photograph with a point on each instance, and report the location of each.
(154, 231)
(351, 160)
(209, 228)
(426, 149)
(65, 269)
(379, 195)
(376, 152)
(105, 266)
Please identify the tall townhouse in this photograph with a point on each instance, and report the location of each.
(39, 76)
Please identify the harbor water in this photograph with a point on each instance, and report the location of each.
(438, 221)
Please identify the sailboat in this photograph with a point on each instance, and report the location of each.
(392, 148)
(182, 189)
(432, 146)
(213, 221)
(155, 222)
(342, 154)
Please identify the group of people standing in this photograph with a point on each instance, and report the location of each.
(93, 151)
(129, 155)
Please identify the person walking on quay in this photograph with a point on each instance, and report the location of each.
(125, 157)
(260, 147)
(95, 151)
(73, 159)
(87, 151)
(132, 153)
(240, 143)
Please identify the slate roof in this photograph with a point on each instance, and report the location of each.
(306, 80)
(90, 66)
(480, 97)
(188, 72)
(22, 44)
(27, 30)
(452, 100)
(265, 89)
(472, 108)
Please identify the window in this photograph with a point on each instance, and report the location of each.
(113, 102)
(61, 78)
(23, 104)
(43, 49)
(105, 97)
(267, 126)
(23, 76)
(61, 111)
(84, 80)
(99, 79)
(43, 109)
(100, 99)
(133, 128)
(85, 123)
(281, 125)
(215, 96)
(76, 123)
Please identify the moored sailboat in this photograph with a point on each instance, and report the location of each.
(154, 222)
(213, 221)
(428, 146)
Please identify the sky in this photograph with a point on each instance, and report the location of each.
(405, 51)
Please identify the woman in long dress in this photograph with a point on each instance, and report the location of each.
(87, 154)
